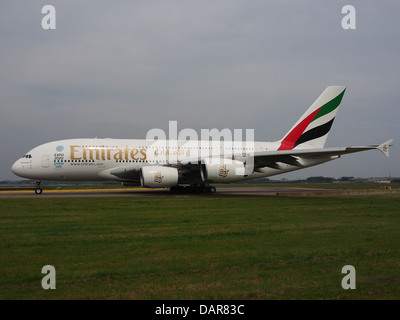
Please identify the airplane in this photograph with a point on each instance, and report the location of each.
(187, 165)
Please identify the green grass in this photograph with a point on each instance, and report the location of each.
(200, 247)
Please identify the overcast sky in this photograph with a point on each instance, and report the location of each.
(120, 68)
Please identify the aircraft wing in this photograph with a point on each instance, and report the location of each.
(295, 157)
(292, 157)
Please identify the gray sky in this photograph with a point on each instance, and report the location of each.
(120, 68)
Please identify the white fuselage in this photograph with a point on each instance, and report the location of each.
(95, 159)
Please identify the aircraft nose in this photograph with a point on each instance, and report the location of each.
(16, 168)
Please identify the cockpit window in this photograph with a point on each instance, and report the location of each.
(28, 156)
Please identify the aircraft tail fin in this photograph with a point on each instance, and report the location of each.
(312, 129)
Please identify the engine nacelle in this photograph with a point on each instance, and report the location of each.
(158, 177)
(231, 171)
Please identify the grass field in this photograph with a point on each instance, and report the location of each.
(200, 247)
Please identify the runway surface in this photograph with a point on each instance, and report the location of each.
(221, 191)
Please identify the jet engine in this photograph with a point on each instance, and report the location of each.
(225, 172)
(158, 177)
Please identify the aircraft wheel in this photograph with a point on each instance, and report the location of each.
(213, 189)
(38, 190)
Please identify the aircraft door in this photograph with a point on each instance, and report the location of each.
(46, 161)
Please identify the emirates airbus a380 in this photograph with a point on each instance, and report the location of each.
(194, 163)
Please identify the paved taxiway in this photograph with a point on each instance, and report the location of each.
(137, 192)
(224, 191)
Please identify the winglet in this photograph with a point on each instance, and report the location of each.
(384, 147)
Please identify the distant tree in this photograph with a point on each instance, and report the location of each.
(319, 179)
(346, 179)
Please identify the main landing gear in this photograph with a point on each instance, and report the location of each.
(193, 189)
(38, 189)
